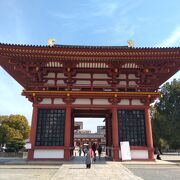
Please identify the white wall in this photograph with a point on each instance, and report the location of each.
(136, 102)
(137, 154)
(82, 101)
(124, 102)
(58, 101)
(46, 101)
(48, 153)
(101, 101)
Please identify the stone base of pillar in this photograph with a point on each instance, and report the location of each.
(67, 154)
(116, 153)
(151, 154)
(30, 154)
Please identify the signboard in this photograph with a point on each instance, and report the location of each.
(28, 145)
(125, 150)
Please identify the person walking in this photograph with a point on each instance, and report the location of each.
(80, 150)
(91, 154)
(99, 151)
(94, 151)
(88, 160)
(83, 150)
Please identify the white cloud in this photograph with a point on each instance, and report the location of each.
(173, 39)
(106, 9)
(15, 19)
(128, 30)
(114, 7)
(129, 7)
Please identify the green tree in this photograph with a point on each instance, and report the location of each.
(13, 127)
(166, 116)
(15, 144)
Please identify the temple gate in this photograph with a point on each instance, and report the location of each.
(64, 82)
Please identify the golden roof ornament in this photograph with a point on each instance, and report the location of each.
(130, 43)
(51, 42)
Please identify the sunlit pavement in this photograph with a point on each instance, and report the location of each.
(21, 169)
(100, 169)
(74, 169)
(156, 172)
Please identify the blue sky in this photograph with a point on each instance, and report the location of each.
(149, 23)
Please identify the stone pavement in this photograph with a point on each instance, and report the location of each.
(107, 171)
(76, 169)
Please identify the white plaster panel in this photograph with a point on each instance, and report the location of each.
(51, 75)
(83, 75)
(100, 83)
(123, 83)
(101, 101)
(51, 82)
(100, 76)
(58, 101)
(83, 82)
(132, 76)
(122, 76)
(46, 101)
(48, 153)
(60, 75)
(132, 83)
(82, 101)
(60, 82)
(139, 154)
(136, 102)
(124, 102)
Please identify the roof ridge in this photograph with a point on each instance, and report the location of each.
(85, 46)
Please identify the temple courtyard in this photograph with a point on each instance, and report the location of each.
(168, 168)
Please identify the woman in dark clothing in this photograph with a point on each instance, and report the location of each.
(88, 160)
(99, 151)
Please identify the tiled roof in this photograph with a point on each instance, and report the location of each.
(84, 46)
(92, 135)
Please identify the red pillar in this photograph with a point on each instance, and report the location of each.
(149, 134)
(108, 136)
(109, 132)
(33, 133)
(67, 139)
(115, 139)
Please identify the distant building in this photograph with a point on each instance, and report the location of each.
(82, 131)
(78, 125)
(88, 138)
(101, 129)
(82, 136)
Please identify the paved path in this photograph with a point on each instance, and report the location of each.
(160, 172)
(108, 171)
(75, 169)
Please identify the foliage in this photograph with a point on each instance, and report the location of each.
(14, 145)
(166, 117)
(13, 127)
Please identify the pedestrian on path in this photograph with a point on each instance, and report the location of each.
(91, 154)
(88, 160)
(80, 150)
(99, 151)
(94, 151)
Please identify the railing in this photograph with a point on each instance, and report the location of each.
(11, 154)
